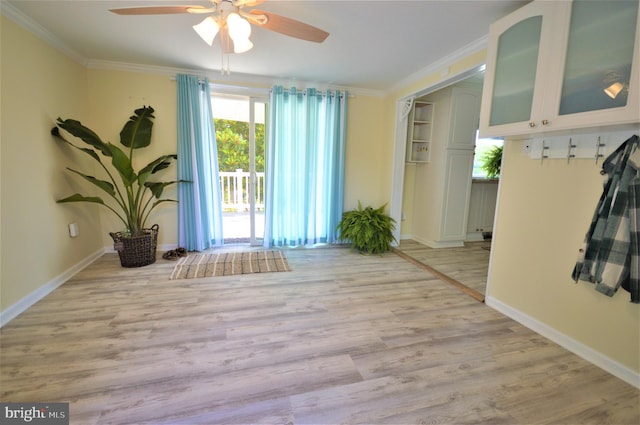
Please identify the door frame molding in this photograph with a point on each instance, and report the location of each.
(400, 141)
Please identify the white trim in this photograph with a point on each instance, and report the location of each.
(400, 147)
(397, 176)
(606, 363)
(235, 79)
(443, 244)
(474, 237)
(504, 169)
(441, 64)
(22, 305)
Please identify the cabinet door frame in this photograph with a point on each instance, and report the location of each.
(536, 8)
(545, 118)
(614, 116)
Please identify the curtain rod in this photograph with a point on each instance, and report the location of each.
(322, 92)
(241, 89)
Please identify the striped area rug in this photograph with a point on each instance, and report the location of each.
(230, 263)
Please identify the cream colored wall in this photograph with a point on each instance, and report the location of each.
(543, 214)
(367, 168)
(38, 85)
(113, 96)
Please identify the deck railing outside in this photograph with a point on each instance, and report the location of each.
(234, 187)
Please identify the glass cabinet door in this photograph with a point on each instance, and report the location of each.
(560, 66)
(515, 72)
(599, 55)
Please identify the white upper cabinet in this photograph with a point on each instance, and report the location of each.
(558, 66)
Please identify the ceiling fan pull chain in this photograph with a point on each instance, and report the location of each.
(221, 60)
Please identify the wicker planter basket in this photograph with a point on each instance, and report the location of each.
(136, 251)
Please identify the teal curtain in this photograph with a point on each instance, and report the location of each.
(199, 203)
(304, 166)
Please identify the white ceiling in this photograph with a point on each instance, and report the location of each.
(373, 45)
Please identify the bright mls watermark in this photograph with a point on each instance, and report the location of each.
(34, 413)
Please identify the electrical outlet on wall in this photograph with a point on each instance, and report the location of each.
(73, 230)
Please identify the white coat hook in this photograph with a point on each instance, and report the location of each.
(599, 145)
(570, 147)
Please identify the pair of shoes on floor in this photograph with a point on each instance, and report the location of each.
(174, 254)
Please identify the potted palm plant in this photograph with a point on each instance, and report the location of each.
(133, 197)
(369, 230)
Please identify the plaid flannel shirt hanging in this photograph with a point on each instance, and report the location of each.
(610, 254)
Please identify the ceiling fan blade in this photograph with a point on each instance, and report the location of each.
(161, 10)
(290, 27)
(247, 3)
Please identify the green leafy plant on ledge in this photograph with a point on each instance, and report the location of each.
(369, 230)
(491, 162)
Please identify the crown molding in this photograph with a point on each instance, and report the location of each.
(236, 78)
(440, 64)
(8, 10)
(11, 12)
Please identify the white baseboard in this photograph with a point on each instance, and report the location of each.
(439, 244)
(606, 363)
(22, 305)
(474, 237)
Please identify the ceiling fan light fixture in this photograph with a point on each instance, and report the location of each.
(207, 29)
(239, 31)
(241, 46)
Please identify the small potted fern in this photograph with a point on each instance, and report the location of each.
(369, 230)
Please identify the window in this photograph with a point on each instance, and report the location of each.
(483, 147)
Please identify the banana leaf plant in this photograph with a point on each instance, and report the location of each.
(135, 196)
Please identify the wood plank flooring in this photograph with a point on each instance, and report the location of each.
(467, 265)
(342, 338)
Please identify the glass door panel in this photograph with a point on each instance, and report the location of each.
(257, 148)
(240, 137)
(515, 72)
(599, 52)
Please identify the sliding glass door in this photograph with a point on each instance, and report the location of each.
(257, 144)
(240, 135)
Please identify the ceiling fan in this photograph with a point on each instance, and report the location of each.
(230, 19)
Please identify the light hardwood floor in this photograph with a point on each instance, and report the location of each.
(467, 265)
(342, 338)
